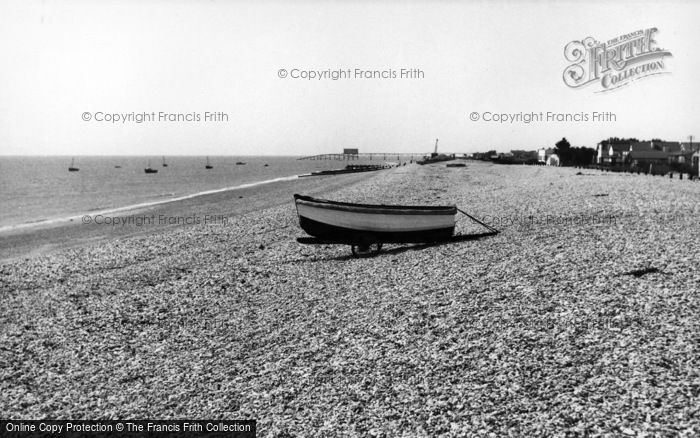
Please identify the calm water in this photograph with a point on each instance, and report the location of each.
(41, 188)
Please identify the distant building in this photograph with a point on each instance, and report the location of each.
(480, 156)
(553, 160)
(696, 163)
(643, 153)
(543, 154)
(642, 159)
(680, 157)
(611, 154)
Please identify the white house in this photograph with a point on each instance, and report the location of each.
(612, 153)
(553, 160)
(543, 154)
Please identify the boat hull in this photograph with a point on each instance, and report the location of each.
(362, 223)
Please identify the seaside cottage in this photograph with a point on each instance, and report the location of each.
(681, 157)
(644, 159)
(612, 154)
(690, 152)
(664, 155)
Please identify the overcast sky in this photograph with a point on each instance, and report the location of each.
(62, 59)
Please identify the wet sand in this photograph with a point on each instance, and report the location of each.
(581, 317)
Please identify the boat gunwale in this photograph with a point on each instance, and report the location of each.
(376, 208)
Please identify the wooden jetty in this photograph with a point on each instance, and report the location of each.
(364, 156)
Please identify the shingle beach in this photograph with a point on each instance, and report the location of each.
(581, 317)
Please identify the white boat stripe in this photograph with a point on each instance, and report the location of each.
(376, 222)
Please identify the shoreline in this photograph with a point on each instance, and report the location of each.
(58, 196)
(41, 238)
(141, 205)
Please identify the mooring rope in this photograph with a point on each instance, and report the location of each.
(490, 228)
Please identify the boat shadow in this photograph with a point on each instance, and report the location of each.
(399, 249)
(422, 246)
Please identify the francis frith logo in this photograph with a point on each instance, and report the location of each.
(616, 62)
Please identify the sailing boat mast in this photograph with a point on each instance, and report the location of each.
(72, 167)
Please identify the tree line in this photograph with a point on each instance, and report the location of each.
(574, 156)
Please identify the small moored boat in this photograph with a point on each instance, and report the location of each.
(72, 167)
(149, 169)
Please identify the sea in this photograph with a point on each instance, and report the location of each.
(39, 189)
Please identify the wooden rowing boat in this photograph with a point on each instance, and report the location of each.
(366, 226)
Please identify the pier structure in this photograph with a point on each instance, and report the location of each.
(365, 155)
